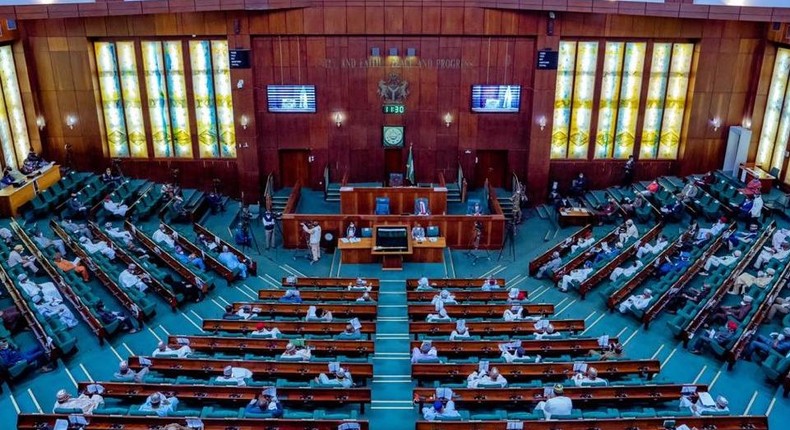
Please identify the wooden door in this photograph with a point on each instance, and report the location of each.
(393, 163)
(294, 167)
(491, 164)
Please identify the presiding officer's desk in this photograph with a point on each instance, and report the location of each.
(362, 200)
(426, 251)
(12, 198)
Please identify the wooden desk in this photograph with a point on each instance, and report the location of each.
(527, 371)
(719, 423)
(362, 310)
(749, 172)
(318, 295)
(298, 327)
(263, 346)
(493, 296)
(361, 200)
(11, 198)
(491, 327)
(302, 370)
(575, 216)
(490, 348)
(330, 282)
(562, 247)
(494, 311)
(361, 251)
(452, 283)
(128, 422)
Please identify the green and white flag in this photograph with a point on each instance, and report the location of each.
(410, 167)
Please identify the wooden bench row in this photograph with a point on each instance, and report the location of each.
(115, 422)
(562, 248)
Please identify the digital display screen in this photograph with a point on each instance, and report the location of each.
(394, 109)
(291, 98)
(496, 98)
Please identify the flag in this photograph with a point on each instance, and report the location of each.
(410, 167)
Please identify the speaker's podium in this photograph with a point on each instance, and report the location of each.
(391, 243)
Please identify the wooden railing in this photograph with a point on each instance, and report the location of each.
(562, 247)
(116, 422)
(362, 311)
(584, 255)
(263, 346)
(494, 327)
(189, 247)
(251, 264)
(419, 312)
(306, 370)
(712, 422)
(544, 371)
(291, 327)
(490, 348)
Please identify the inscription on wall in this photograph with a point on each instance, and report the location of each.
(397, 63)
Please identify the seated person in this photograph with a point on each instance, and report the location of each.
(9, 179)
(55, 308)
(514, 295)
(318, 314)
(100, 247)
(117, 233)
(109, 317)
(32, 163)
(738, 312)
(556, 403)
(85, 402)
(76, 229)
(654, 249)
(510, 354)
(262, 330)
(588, 378)
(215, 202)
(441, 408)
(10, 355)
(606, 212)
(490, 284)
(689, 192)
(16, 257)
(628, 232)
(190, 292)
(108, 178)
(242, 236)
(77, 208)
(162, 348)
(232, 262)
(424, 284)
(578, 185)
(190, 258)
(613, 351)
(342, 379)
(698, 408)
(126, 374)
(163, 238)
(440, 315)
(239, 375)
(351, 230)
(179, 211)
(547, 332)
(768, 254)
(45, 289)
(418, 232)
(359, 284)
(476, 209)
(421, 207)
(625, 271)
(779, 342)
(716, 261)
(159, 403)
(365, 297)
(115, 208)
(67, 266)
(131, 277)
(553, 264)
(492, 379)
(673, 208)
(291, 296)
(45, 242)
(721, 337)
(606, 252)
(739, 237)
(714, 229)
(426, 352)
(461, 331)
(754, 186)
(583, 242)
(266, 404)
(292, 351)
(445, 297)
(693, 294)
(679, 264)
(636, 302)
(246, 312)
(575, 275)
(350, 333)
(208, 245)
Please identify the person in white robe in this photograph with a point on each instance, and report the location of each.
(492, 379)
(577, 275)
(426, 352)
(100, 247)
(636, 301)
(556, 404)
(161, 237)
(768, 254)
(162, 348)
(46, 289)
(115, 208)
(630, 232)
(716, 261)
(117, 233)
(625, 271)
(87, 403)
(130, 279)
(239, 375)
(55, 309)
(652, 249)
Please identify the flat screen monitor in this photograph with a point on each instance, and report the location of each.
(291, 98)
(496, 98)
(392, 239)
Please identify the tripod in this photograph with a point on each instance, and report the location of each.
(475, 246)
(509, 241)
(245, 227)
(306, 253)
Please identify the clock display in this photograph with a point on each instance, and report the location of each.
(394, 109)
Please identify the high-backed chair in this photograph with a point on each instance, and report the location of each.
(421, 206)
(432, 231)
(367, 232)
(382, 206)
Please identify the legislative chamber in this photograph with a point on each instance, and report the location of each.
(395, 215)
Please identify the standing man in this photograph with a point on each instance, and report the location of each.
(628, 171)
(315, 239)
(268, 228)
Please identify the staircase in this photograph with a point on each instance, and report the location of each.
(279, 202)
(333, 193)
(453, 193)
(507, 206)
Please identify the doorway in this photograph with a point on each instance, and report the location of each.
(393, 163)
(294, 167)
(491, 165)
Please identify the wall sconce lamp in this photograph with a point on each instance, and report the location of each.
(310, 158)
(747, 123)
(243, 145)
(411, 52)
(71, 121)
(240, 84)
(41, 123)
(338, 118)
(715, 123)
(542, 122)
(244, 121)
(448, 119)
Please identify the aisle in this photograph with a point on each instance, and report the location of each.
(392, 387)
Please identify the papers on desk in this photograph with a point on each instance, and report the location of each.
(350, 240)
(433, 239)
(515, 425)
(579, 367)
(706, 399)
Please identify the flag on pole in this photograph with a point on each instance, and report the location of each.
(410, 167)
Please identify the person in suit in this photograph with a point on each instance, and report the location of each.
(737, 312)
(721, 336)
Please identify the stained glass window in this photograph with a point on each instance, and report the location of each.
(776, 121)
(177, 94)
(13, 127)
(566, 64)
(583, 89)
(154, 69)
(224, 98)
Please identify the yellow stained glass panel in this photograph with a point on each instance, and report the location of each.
(112, 105)
(630, 93)
(223, 93)
(675, 102)
(6, 135)
(132, 102)
(610, 96)
(656, 92)
(773, 109)
(13, 101)
(154, 70)
(583, 89)
(203, 94)
(177, 95)
(566, 64)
